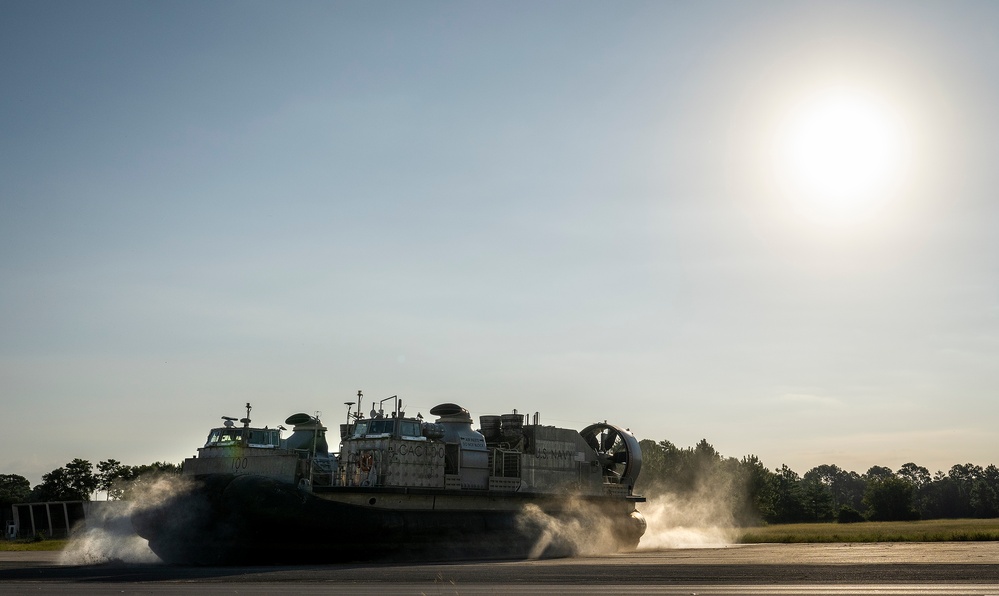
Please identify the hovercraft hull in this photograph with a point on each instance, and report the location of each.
(399, 486)
(238, 520)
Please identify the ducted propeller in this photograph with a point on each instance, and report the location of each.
(617, 451)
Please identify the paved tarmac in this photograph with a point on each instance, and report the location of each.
(882, 568)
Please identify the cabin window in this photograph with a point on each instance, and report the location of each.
(381, 427)
(374, 427)
(408, 428)
(223, 436)
(264, 438)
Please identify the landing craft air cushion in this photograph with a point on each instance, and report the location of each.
(399, 486)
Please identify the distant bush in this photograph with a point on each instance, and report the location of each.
(849, 515)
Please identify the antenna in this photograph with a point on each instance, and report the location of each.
(315, 440)
(246, 421)
(380, 411)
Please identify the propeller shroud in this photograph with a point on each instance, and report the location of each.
(617, 450)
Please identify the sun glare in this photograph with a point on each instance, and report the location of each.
(840, 156)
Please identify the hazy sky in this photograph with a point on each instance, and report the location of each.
(586, 209)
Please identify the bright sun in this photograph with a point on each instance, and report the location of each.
(840, 155)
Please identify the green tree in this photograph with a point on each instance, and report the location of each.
(917, 476)
(654, 465)
(788, 500)
(705, 454)
(759, 498)
(109, 474)
(82, 480)
(958, 497)
(73, 482)
(878, 473)
(54, 487)
(846, 488)
(157, 467)
(817, 499)
(13, 489)
(984, 497)
(890, 499)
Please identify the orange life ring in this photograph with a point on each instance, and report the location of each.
(367, 460)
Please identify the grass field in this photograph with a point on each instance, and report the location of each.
(24, 545)
(938, 530)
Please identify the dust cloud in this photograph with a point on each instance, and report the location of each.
(571, 532)
(107, 534)
(703, 516)
(686, 522)
(704, 512)
(703, 519)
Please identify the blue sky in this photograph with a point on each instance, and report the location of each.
(563, 207)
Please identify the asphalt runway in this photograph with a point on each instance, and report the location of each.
(844, 569)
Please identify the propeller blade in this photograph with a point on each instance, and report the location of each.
(609, 439)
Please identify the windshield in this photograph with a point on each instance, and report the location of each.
(223, 436)
(375, 427)
(257, 437)
(265, 438)
(381, 427)
(410, 428)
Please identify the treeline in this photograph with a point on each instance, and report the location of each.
(79, 480)
(754, 494)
